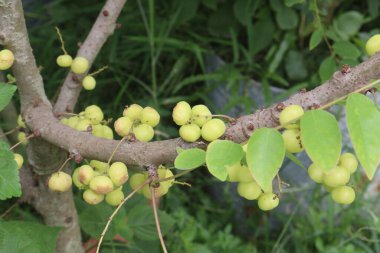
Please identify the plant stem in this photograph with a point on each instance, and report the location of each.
(157, 220)
(114, 151)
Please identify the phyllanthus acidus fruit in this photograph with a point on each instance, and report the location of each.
(101, 184)
(83, 125)
(76, 181)
(89, 83)
(290, 115)
(316, 173)
(213, 129)
(190, 132)
(64, 61)
(94, 114)
(115, 197)
(136, 180)
(19, 160)
(292, 140)
(239, 173)
(181, 113)
(349, 162)
(343, 195)
(86, 173)
(338, 176)
(118, 173)
(163, 186)
(373, 45)
(150, 116)
(21, 137)
(20, 122)
(92, 197)
(249, 190)
(200, 114)
(60, 181)
(6, 59)
(123, 126)
(99, 166)
(143, 132)
(79, 65)
(268, 201)
(133, 112)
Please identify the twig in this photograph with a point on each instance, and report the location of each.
(98, 71)
(172, 177)
(20, 142)
(9, 132)
(61, 39)
(64, 163)
(9, 209)
(114, 151)
(152, 191)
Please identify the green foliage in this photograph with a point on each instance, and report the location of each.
(9, 178)
(190, 159)
(6, 94)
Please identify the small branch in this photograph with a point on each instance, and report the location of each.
(153, 193)
(9, 209)
(20, 142)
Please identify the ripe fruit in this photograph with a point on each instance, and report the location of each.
(19, 160)
(338, 176)
(76, 181)
(101, 184)
(268, 201)
(133, 112)
(213, 129)
(349, 162)
(343, 195)
(292, 140)
(315, 173)
(118, 172)
(290, 115)
(86, 173)
(181, 113)
(233, 172)
(190, 133)
(79, 65)
(98, 131)
(373, 45)
(89, 83)
(159, 192)
(249, 190)
(94, 114)
(92, 197)
(143, 132)
(20, 122)
(200, 114)
(123, 126)
(150, 116)
(6, 59)
(99, 166)
(83, 125)
(244, 175)
(60, 181)
(108, 133)
(137, 180)
(115, 197)
(73, 121)
(21, 137)
(64, 60)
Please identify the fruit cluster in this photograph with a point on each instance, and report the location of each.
(90, 120)
(289, 118)
(137, 122)
(6, 59)
(197, 121)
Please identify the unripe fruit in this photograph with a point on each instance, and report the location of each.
(94, 114)
(21, 137)
(190, 133)
(213, 129)
(343, 195)
(79, 65)
(200, 114)
(19, 160)
(76, 181)
(159, 192)
(349, 162)
(64, 121)
(245, 146)
(73, 121)
(64, 60)
(315, 173)
(115, 197)
(143, 132)
(249, 191)
(123, 126)
(268, 201)
(290, 115)
(98, 131)
(181, 113)
(108, 133)
(373, 45)
(292, 140)
(233, 172)
(60, 182)
(137, 180)
(165, 173)
(83, 125)
(118, 172)
(101, 184)
(6, 59)
(99, 166)
(20, 122)
(89, 83)
(86, 173)
(338, 176)
(150, 116)
(133, 112)
(244, 175)
(92, 197)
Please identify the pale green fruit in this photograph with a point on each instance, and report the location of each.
(245, 146)
(76, 181)
(315, 173)
(137, 180)
(73, 121)
(92, 197)
(123, 126)
(373, 45)
(64, 60)
(133, 112)
(213, 129)
(335, 177)
(118, 172)
(20, 122)
(98, 131)
(292, 140)
(64, 121)
(349, 162)
(159, 192)
(150, 116)
(268, 201)
(244, 175)
(101, 184)
(21, 137)
(6, 59)
(233, 172)
(143, 132)
(60, 182)
(249, 190)
(19, 160)
(190, 133)
(99, 166)
(108, 133)
(86, 173)
(94, 114)
(83, 125)
(290, 115)
(200, 114)
(79, 65)
(343, 195)
(181, 113)
(165, 173)
(89, 83)
(115, 197)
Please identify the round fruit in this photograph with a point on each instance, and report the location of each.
(83, 125)
(79, 65)
(94, 114)
(115, 197)
(92, 197)
(89, 83)
(249, 190)
(143, 132)
(159, 192)
(101, 184)
(137, 180)
(233, 172)
(133, 112)
(290, 115)
(64, 60)
(213, 129)
(19, 160)
(268, 201)
(245, 146)
(343, 195)
(21, 137)
(373, 45)
(292, 140)
(200, 114)
(349, 162)
(338, 176)
(108, 133)
(73, 121)
(64, 121)
(76, 181)
(98, 131)
(123, 126)
(60, 182)
(181, 113)
(244, 175)
(118, 172)
(99, 166)
(20, 122)
(150, 116)
(315, 173)
(6, 59)
(190, 133)
(165, 173)
(86, 173)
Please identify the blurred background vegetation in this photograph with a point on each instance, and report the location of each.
(161, 55)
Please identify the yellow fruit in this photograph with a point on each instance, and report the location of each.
(89, 83)
(143, 132)
(337, 176)
(373, 45)
(21, 137)
(99, 166)
(181, 113)
(244, 175)
(290, 115)
(118, 173)
(150, 116)
(76, 181)
(101, 184)
(137, 180)
(20, 122)
(123, 126)
(200, 114)
(60, 182)
(6, 59)
(249, 190)
(349, 162)
(108, 133)
(315, 173)
(94, 114)
(64, 60)
(86, 173)
(92, 197)
(19, 160)
(97, 130)
(268, 201)
(115, 197)
(292, 140)
(213, 129)
(79, 65)
(343, 195)
(233, 172)
(133, 112)
(73, 121)
(190, 133)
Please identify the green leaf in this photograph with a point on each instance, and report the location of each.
(295, 65)
(4, 145)
(6, 94)
(190, 159)
(221, 153)
(287, 18)
(9, 178)
(290, 3)
(346, 50)
(363, 121)
(327, 68)
(266, 28)
(27, 237)
(321, 137)
(265, 154)
(348, 24)
(188, 9)
(243, 10)
(315, 38)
